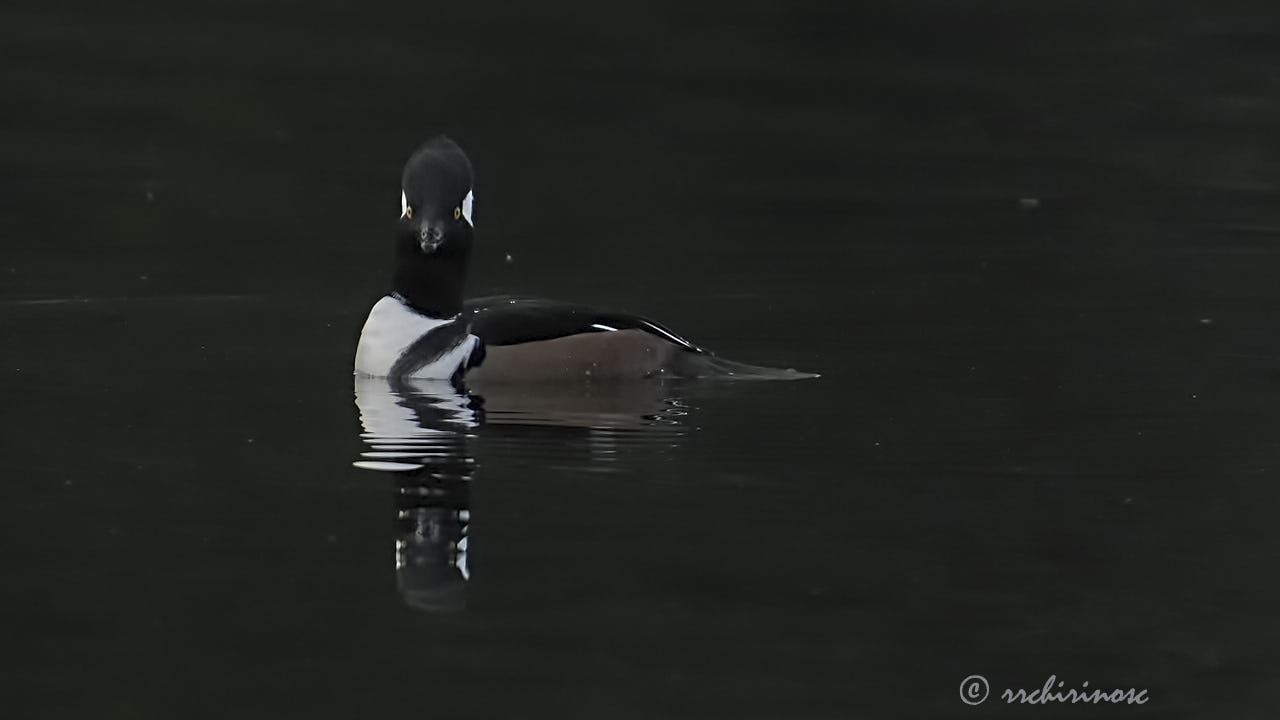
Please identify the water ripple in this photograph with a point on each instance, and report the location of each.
(431, 437)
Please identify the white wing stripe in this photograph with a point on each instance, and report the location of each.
(674, 338)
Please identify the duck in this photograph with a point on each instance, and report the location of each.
(424, 328)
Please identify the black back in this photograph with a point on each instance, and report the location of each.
(510, 319)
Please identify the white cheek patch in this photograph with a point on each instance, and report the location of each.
(404, 205)
(466, 207)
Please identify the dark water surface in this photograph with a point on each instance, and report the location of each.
(1032, 250)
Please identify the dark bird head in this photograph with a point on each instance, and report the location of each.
(433, 239)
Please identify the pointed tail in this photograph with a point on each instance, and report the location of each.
(706, 365)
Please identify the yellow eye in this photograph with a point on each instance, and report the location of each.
(408, 212)
(457, 213)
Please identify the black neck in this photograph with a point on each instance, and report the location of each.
(431, 284)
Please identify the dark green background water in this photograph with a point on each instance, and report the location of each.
(1031, 247)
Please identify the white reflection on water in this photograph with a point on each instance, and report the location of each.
(427, 420)
(426, 434)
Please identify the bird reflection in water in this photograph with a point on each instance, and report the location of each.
(426, 433)
(422, 433)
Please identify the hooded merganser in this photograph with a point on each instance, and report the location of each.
(424, 329)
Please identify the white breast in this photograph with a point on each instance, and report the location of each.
(391, 328)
